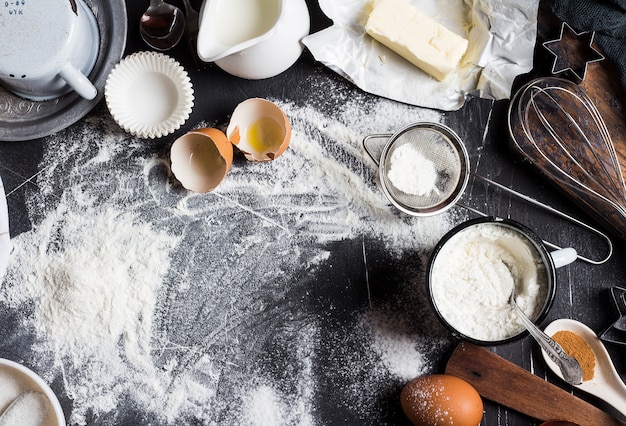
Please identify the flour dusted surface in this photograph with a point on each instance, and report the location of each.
(103, 284)
(147, 304)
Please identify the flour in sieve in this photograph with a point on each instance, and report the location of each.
(195, 304)
(411, 172)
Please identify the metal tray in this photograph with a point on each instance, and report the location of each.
(22, 119)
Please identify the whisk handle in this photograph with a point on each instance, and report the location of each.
(559, 213)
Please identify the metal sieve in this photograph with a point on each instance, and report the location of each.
(441, 146)
(437, 145)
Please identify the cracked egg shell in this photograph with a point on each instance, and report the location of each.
(201, 159)
(259, 129)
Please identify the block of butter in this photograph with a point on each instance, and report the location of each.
(416, 37)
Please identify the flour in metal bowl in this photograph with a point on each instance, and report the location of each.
(474, 272)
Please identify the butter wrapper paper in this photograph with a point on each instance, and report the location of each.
(501, 35)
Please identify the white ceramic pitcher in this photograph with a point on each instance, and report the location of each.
(252, 39)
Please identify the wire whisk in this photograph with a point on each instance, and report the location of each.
(556, 126)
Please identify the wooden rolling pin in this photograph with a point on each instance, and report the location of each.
(503, 382)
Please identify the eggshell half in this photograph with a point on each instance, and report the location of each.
(441, 399)
(201, 159)
(259, 129)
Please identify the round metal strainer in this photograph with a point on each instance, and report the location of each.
(439, 146)
(433, 145)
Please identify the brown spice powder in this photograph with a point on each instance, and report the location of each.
(575, 346)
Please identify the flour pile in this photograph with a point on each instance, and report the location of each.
(411, 173)
(147, 304)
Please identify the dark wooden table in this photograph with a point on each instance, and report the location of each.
(336, 290)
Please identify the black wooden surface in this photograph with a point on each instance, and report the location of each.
(582, 292)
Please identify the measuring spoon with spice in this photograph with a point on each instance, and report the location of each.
(600, 378)
(569, 366)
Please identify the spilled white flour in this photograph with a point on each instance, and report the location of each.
(105, 277)
(148, 304)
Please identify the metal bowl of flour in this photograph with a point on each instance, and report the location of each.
(472, 271)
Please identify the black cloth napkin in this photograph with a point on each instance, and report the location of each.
(606, 17)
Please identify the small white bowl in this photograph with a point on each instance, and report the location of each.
(149, 94)
(28, 380)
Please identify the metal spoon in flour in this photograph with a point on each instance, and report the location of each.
(28, 409)
(570, 368)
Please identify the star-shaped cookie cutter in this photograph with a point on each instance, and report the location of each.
(573, 52)
(616, 332)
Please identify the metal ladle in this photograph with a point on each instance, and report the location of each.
(162, 25)
(570, 368)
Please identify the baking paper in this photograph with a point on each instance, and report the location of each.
(501, 36)
(5, 239)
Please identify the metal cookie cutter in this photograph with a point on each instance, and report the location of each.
(616, 332)
(573, 52)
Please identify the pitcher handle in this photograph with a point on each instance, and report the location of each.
(78, 82)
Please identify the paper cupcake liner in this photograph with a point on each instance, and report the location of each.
(149, 94)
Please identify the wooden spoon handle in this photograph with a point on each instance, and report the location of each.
(510, 385)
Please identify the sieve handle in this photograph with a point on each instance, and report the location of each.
(554, 211)
(368, 144)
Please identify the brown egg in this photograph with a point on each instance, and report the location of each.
(201, 159)
(441, 399)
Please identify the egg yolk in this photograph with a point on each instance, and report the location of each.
(265, 134)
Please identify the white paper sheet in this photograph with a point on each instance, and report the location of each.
(501, 36)
(5, 239)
